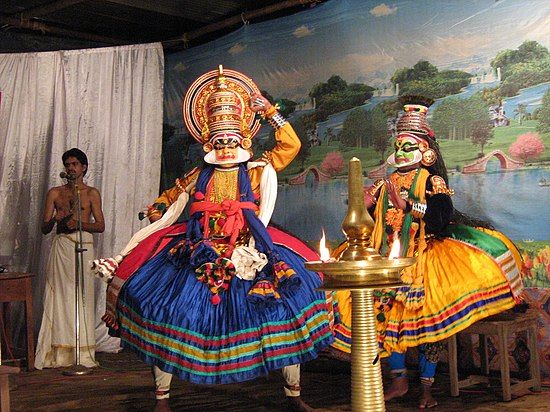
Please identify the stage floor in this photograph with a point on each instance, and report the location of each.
(123, 383)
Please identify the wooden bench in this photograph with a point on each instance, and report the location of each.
(502, 326)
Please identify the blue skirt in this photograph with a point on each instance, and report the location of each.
(168, 319)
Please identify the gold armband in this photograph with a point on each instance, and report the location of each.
(375, 187)
(268, 114)
(439, 186)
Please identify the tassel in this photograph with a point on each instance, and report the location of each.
(263, 293)
(285, 277)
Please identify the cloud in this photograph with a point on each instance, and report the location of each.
(382, 10)
(237, 48)
(295, 84)
(355, 65)
(303, 31)
(444, 48)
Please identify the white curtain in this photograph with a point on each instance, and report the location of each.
(108, 103)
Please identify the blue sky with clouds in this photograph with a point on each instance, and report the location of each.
(362, 41)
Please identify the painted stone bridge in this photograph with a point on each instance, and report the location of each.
(318, 174)
(480, 165)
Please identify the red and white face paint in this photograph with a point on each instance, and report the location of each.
(226, 150)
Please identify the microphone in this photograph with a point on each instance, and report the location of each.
(68, 176)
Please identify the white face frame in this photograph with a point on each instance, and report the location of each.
(407, 152)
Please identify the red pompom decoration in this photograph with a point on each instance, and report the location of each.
(215, 299)
(199, 196)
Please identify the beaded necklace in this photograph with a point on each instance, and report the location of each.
(402, 182)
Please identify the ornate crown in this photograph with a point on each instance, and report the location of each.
(217, 102)
(414, 118)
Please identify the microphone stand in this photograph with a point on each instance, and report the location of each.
(78, 369)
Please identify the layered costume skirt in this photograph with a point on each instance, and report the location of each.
(167, 317)
(466, 276)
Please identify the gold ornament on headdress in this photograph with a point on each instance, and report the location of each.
(414, 118)
(217, 102)
(414, 123)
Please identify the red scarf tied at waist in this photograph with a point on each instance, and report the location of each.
(233, 210)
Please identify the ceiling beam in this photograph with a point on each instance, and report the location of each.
(46, 9)
(160, 6)
(46, 28)
(185, 38)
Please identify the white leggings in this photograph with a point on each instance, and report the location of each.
(291, 374)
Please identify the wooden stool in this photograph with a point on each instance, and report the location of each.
(501, 325)
(5, 387)
(16, 287)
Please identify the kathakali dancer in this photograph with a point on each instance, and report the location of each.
(465, 270)
(221, 298)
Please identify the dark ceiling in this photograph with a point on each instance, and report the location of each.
(42, 25)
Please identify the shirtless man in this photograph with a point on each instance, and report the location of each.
(57, 335)
(61, 204)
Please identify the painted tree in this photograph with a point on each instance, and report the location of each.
(456, 118)
(380, 137)
(520, 111)
(354, 129)
(333, 163)
(330, 136)
(543, 114)
(482, 132)
(527, 146)
(303, 126)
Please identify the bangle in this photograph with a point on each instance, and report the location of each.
(418, 209)
(277, 120)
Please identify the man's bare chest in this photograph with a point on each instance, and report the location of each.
(67, 200)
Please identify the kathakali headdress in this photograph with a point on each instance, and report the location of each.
(216, 112)
(413, 126)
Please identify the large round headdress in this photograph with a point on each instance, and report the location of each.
(216, 107)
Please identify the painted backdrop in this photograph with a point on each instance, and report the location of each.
(337, 70)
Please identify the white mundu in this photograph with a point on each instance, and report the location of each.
(56, 340)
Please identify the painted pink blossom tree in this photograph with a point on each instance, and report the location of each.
(333, 163)
(527, 146)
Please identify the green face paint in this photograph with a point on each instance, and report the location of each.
(406, 152)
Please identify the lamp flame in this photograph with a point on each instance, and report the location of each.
(323, 250)
(395, 247)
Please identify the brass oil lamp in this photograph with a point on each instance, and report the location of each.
(361, 269)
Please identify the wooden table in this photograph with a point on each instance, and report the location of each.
(17, 287)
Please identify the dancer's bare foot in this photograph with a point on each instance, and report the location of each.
(426, 399)
(162, 405)
(398, 387)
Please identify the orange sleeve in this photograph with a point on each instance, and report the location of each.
(169, 196)
(287, 147)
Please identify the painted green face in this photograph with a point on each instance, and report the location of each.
(407, 152)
